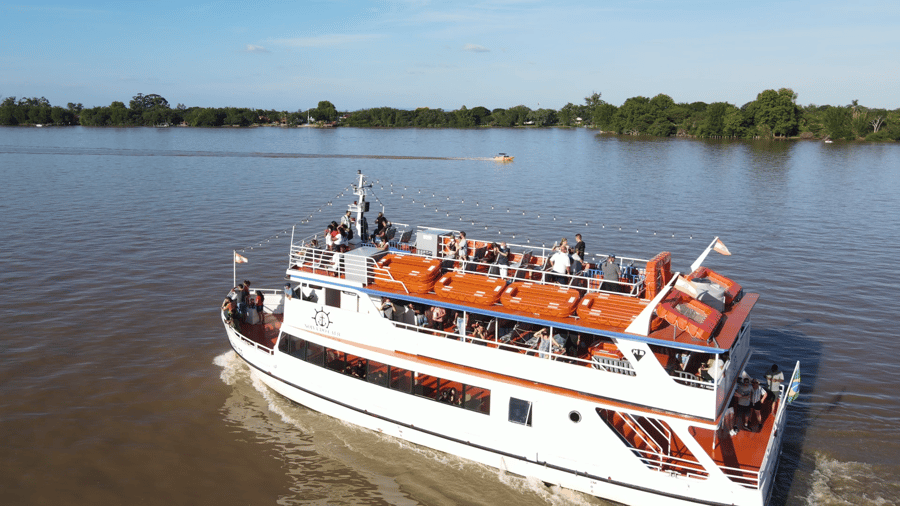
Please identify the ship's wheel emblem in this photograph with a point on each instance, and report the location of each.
(321, 318)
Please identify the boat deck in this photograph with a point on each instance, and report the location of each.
(264, 333)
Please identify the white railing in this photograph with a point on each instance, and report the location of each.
(310, 252)
(620, 366)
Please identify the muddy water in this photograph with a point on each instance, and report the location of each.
(117, 383)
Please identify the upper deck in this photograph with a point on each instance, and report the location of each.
(610, 307)
(613, 323)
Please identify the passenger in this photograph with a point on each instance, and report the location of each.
(387, 308)
(461, 322)
(611, 274)
(347, 222)
(452, 399)
(774, 379)
(703, 372)
(743, 393)
(438, 315)
(561, 265)
(229, 307)
(478, 330)
(462, 249)
(381, 227)
(239, 301)
(501, 261)
(578, 249)
(260, 303)
(418, 316)
(343, 243)
(287, 292)
(329, 238)
(757, 396)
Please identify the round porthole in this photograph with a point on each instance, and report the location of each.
(575, 416)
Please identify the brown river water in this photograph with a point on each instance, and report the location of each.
(118, 386)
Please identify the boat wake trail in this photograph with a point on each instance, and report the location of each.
(51, 150)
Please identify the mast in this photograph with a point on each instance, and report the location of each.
(360, 206)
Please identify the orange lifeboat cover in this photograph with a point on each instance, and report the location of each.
(470, 287)
(689, 314)
(416, 273)
(544, 300)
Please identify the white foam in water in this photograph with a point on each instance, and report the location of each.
(231, 366)
(848, 483)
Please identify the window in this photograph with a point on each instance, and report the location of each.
(401, 380)
(334, 360)
(426, 385)
(520, 411)
(477, 399)
(315, 354)
(377, 373)
(292, 346)
(332, 297)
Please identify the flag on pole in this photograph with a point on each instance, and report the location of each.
(684, 284)
(720, 248)
(794, 389)
(239, 259)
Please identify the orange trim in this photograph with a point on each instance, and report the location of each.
(511, 380)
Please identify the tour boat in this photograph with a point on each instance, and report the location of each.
(587, 383)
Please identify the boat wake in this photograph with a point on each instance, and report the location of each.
(837, 483)
(90, 151)
(398, 469)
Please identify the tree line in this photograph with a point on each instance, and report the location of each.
(773, 115)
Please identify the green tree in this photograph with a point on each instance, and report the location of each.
(606, 118)
(635, 116)
(776, 113)
(325, 111)
(837, 123)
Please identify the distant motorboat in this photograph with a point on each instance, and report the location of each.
(503, 157)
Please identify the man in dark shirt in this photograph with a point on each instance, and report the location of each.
(579, 247)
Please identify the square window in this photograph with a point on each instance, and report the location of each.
(520, 411)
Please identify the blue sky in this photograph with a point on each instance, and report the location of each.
(448, 53)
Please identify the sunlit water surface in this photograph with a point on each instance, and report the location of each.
(117, 383)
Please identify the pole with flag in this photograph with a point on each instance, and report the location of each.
(238, 259)
(794, 388)
(717, 246)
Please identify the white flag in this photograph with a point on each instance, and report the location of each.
(685, 285)
(720, 248)
(238, 259)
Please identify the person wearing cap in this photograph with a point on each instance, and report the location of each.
(611, 273)
(757, 396)
(287, 292)
(742, 410)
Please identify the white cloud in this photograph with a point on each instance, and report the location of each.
(475, 48)
(255, 49)
(324, 40)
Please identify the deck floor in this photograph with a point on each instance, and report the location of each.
(264, 333)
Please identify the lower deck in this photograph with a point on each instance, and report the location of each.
(740, 456)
